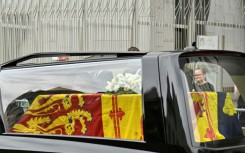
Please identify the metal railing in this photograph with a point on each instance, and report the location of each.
(29, 26)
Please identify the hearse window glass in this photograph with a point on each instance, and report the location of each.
(216, 93)
(101, 99)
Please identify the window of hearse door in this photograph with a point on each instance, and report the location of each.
(99, 99)
(216, 92)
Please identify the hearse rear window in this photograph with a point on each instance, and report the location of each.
(101, 99)
(216, 92)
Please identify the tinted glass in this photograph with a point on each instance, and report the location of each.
(91, 99)
(216, 89)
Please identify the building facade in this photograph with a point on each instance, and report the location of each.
(30, 26)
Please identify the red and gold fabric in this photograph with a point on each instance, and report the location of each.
(112, 116)
(206, 124)
(123, 115)
(213, 116)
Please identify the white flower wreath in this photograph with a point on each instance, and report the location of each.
(125, 84)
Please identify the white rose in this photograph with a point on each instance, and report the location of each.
(116, 88)
(126, 87)
(108, 88)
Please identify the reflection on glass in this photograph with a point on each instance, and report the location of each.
(75, 99)
(216, 86)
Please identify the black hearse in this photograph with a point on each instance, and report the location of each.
(124, 102)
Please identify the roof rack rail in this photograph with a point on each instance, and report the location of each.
(58, 54)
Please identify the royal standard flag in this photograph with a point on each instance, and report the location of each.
(114, 116)
(122, 114)
(65, 114)
(229, 125)
(214, 114)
